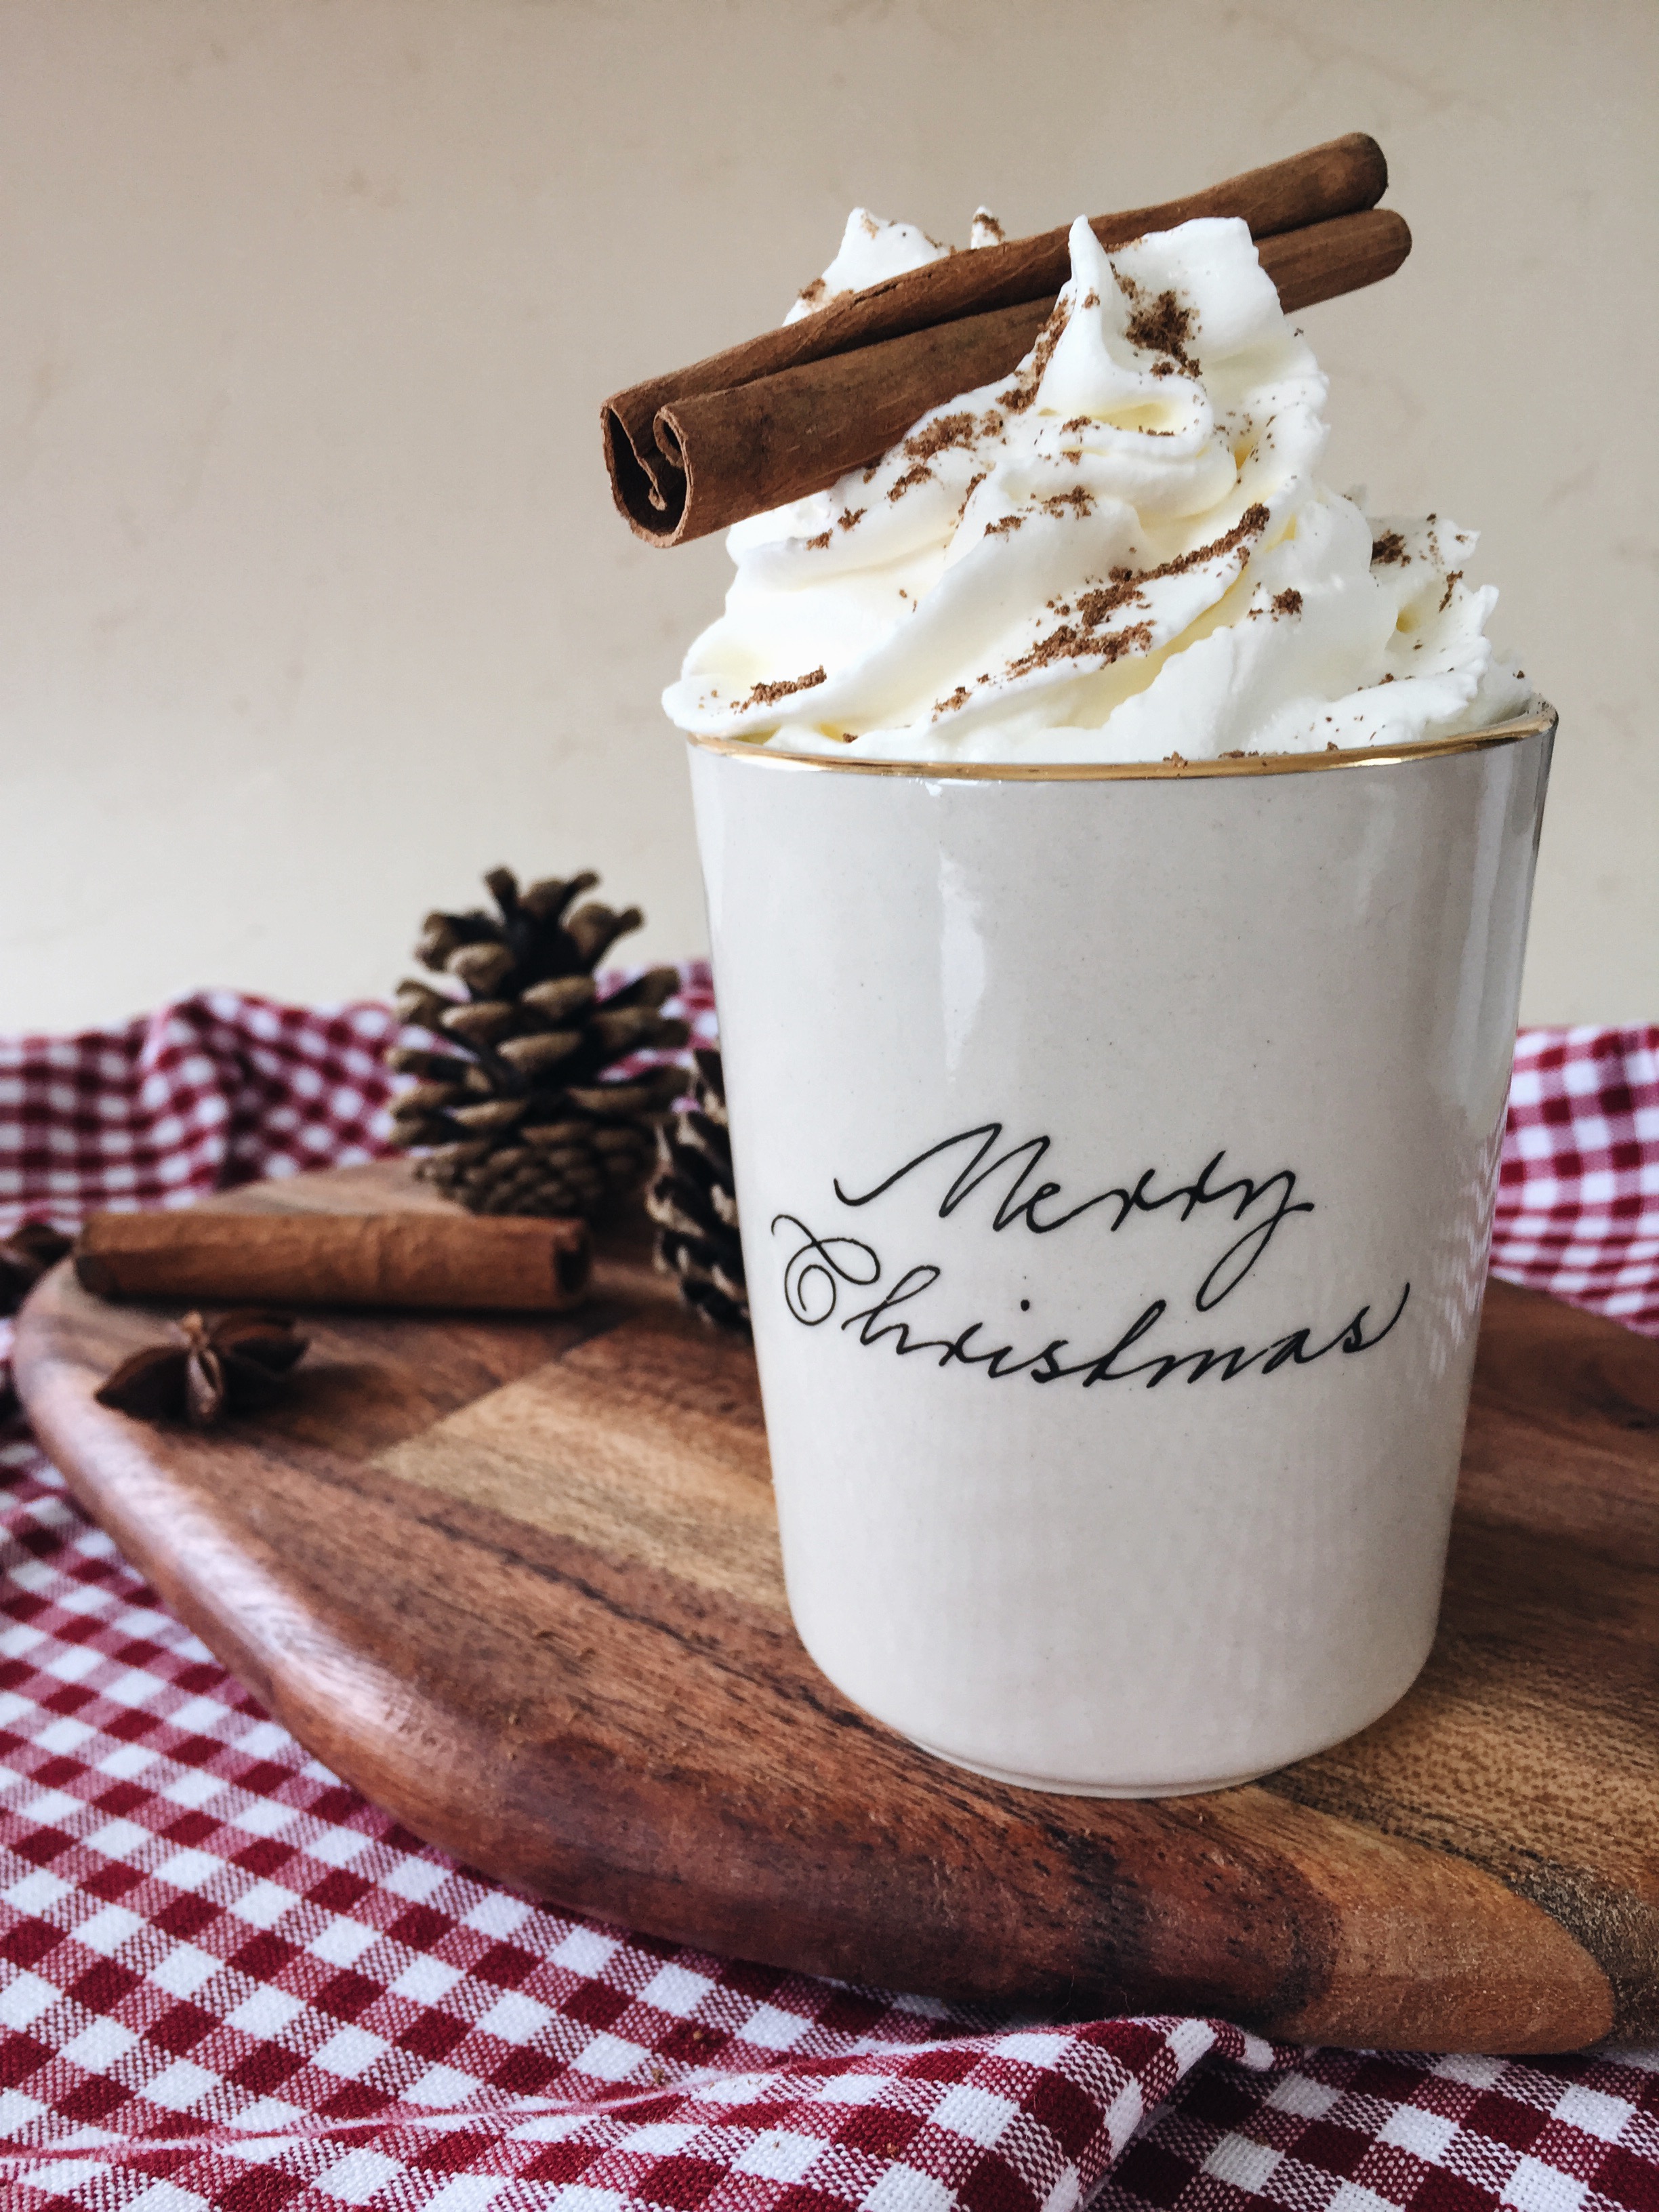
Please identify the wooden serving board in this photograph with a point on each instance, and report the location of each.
(518, 1579)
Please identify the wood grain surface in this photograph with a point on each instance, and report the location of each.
(518, 1579)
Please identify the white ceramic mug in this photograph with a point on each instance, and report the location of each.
(1115, 1151)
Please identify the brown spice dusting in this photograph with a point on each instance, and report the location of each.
(1094, 607)
(948, 430)
(1068, 644)
(1077, 501)
(1076, 423)
(1452, 581)
(1020, 394)
(1125, 588)
(1091, 298)
(986, 222)
(1176, 760)
(768, 694)
(1166, 327)
(811, 295)
(1287, 603)
(919, 474)
(974, 483)
(959, 697)
(817, 544)
(1007, 523)
(849, 517)
(1389, 547)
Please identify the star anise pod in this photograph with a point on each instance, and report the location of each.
(24, 1256)
(241, 1361)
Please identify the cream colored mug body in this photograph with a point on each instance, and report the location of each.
(1116, 1154)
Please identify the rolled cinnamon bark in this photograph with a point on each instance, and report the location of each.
(744, 430)
(495, 1263)
(761, 444)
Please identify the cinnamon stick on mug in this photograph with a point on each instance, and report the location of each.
(791, 410)
(492, 1263)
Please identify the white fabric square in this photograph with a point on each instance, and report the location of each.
(342, 1943)
(1034, 2049)
(263, 1904)
(38, 1891)
(183, 1969)
(498, 1916)
(266, 2013)
(609, 2059)
(166, 2196)
(105, 1931)
(100, 2046)
(662, 2138)
(125, 1839)
(180, 2085)
(779, 2155)
(1480, 2072)
(189, 1869)
(262, 1740)
(126, 1760)
(467, 2192)
(338, 1846)
(350, 2051)
(355, 2177)
(24, 1998)
(264, 1816)
(267, 2112)
(442, 2086)
(1299, 2093)
(193, 1788)
(201, 1716)
(774, 2029)
(584, 1951)
(902, 2189)
(1425, 2135)
(1247, 2164)
(1535, 2187)
(515, 2019)
(415, 1878)
(676, 1989)
(1596, 2114)
(67, 1734)
(427, 1980)
(1350, 2196)
(1066, 2193)
(975, 2113)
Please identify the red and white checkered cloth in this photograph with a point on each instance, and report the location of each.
(226, 1980)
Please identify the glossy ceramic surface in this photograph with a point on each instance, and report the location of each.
(1115, 1162)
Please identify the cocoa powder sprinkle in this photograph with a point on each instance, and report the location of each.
(768, 694)
(1389, 547)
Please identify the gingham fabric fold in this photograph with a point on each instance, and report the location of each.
(227, 1981)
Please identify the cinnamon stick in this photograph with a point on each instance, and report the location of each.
(787, 412)
(462, 1262)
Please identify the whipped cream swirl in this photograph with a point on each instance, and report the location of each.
(1121, 552)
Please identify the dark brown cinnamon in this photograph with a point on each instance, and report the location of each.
(787, 412)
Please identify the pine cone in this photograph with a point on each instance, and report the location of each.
(512, 1109)
(694, 1203)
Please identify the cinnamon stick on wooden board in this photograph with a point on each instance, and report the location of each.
(459, 1261)
(791, 410)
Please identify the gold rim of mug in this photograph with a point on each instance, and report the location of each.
(1477, 741)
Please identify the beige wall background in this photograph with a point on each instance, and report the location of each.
(313, 604)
